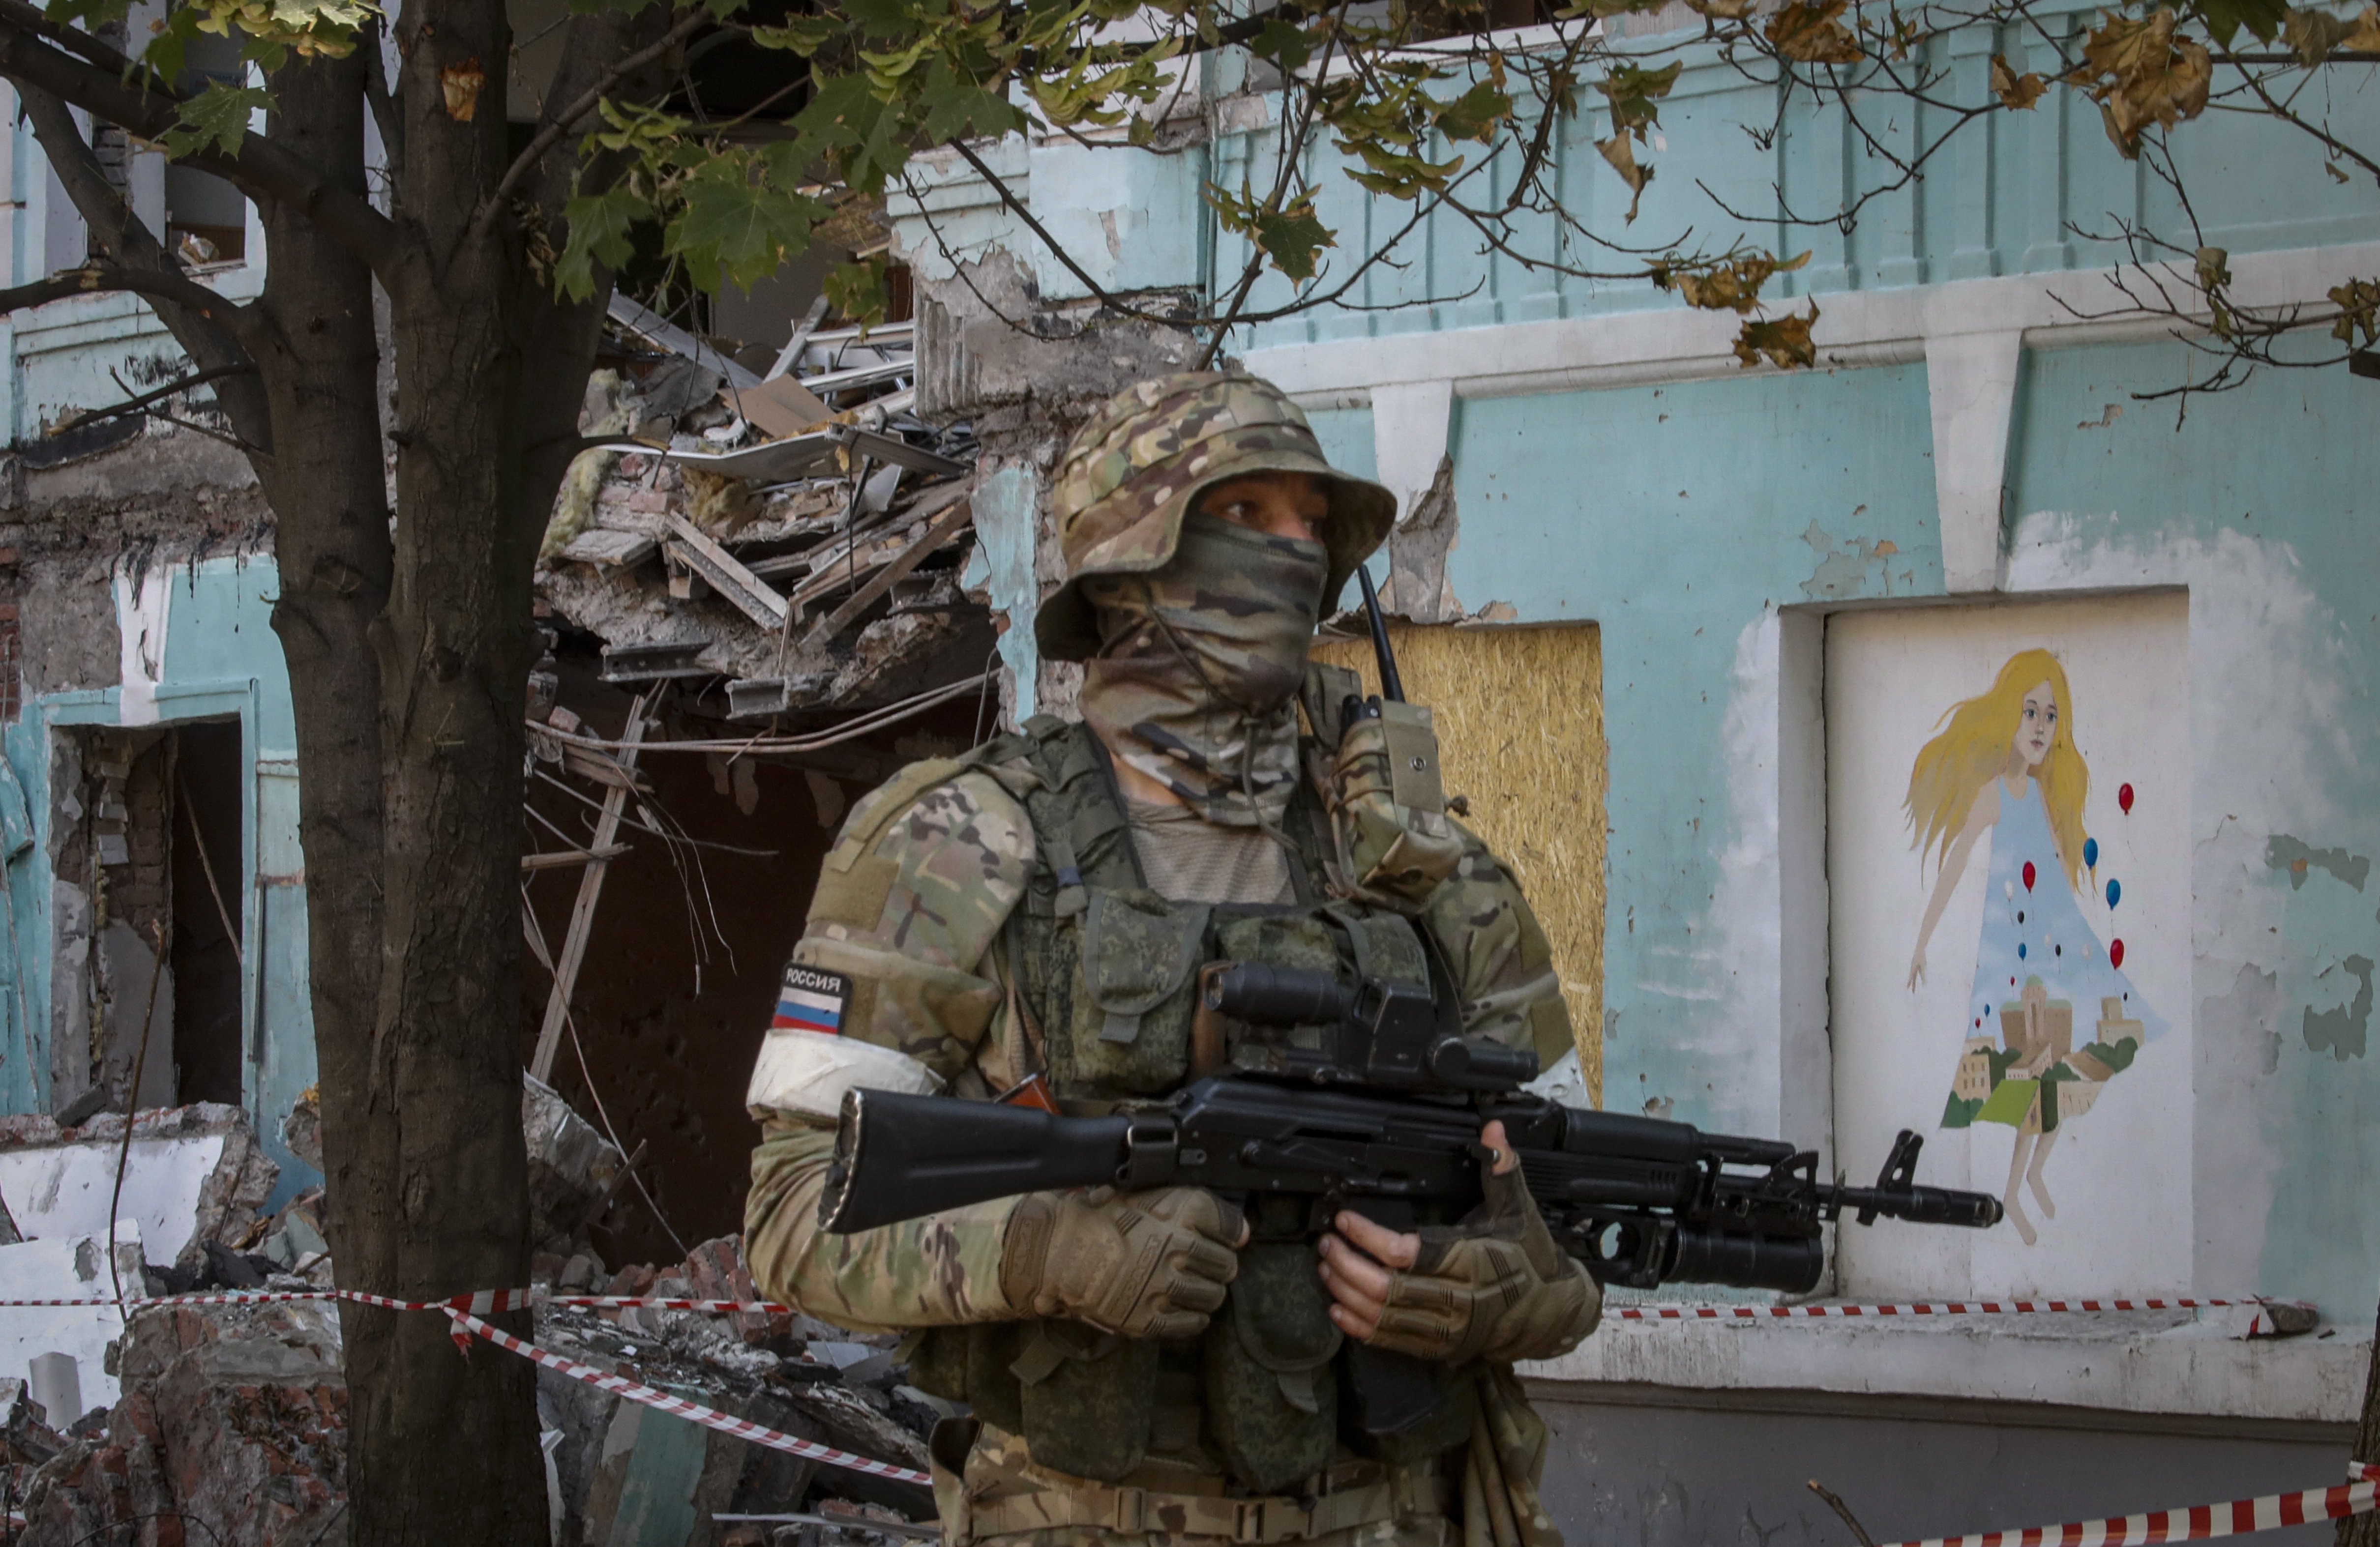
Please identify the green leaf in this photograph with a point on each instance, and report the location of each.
(216, 118)
(1634, 95)
(1292, 239)
(856, 290)
(1476, 115)
(1284, 43)
(600, 227)
(859, 131)
(92, 14)
(956, 108)
(169, 50)
(2224, 18)
(734, 225)
(803, 35)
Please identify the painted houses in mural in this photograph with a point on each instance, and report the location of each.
(1943, 738)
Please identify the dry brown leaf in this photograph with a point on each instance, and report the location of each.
(1621, 154)
(2314, 36)
(1809, 33)
(1733, 284)
(1784, 342)
(2364, 36)
(2019, 91)
(1721, 11)
(2213, 265)
(2140, 74)
(2359, 310)
(461, 83)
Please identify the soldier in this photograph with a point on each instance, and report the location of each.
(1156, 1365)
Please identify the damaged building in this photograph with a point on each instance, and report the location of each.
(761, 593)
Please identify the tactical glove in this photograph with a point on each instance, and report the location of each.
(1494, 1287)
(1140, 1264)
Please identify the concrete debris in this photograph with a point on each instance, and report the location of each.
(302, 1129)
(573, 1169)
(69, 1268)
(194, 1175)
(232, 1427)
(778, 531)
(230, 1421)
(632, 1477)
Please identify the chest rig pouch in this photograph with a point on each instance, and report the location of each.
(1109, 969)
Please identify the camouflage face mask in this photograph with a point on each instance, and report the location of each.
(1196, 681)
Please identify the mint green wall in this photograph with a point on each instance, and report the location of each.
(221, 660)
(1680, 519)
(2261, 504)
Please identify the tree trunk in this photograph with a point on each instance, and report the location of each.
(430, 1177)
(2363, 1530)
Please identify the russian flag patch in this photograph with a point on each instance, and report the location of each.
(811, 1000)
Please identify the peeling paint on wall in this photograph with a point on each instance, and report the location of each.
(1002, 566)
(2294, 856)
(1843, 565)
(2339, 1031)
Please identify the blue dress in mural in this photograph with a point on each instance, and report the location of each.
(2051, 1018)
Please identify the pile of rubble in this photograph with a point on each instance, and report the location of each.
(798, 531)
(233, 1419)
(187, 1422)
(623, 1473)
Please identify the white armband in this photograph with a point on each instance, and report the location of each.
(802, 1070)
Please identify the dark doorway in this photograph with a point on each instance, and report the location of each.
(207, 874)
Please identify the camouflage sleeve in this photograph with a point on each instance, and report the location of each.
(1503, 964)
(885, 989)
(889, 989)
(939, 1271)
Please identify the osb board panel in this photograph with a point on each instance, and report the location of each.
(1520, 726)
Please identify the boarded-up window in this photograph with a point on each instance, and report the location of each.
(1520, 726)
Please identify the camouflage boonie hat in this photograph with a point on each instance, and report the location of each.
(1133, 472)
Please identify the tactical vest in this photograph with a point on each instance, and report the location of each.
(1107, 970)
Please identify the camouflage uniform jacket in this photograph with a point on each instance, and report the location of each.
(909, 912)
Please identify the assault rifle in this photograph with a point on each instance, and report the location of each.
(1364, 1098)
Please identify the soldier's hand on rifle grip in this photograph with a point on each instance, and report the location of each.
(1494, 1287)
(1140, 1264)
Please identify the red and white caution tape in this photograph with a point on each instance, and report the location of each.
(1879, 1313)
(715, 1307)
(2197, 1523)
(483, 1302)
(467, 1325)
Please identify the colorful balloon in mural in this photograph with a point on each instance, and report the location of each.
(2114, 892)
(2028, 874)
(2091, 853)
(2114, 954)
(2124, 798)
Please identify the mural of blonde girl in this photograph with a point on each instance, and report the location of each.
(2005, 764)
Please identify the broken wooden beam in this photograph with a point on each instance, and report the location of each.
(582, 912)
(944, 528)
(562, 859)
(701, 552)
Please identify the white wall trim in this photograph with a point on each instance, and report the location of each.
(1411, 421)
(2183, 1361)
(1864, 327)
(1971, 385)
